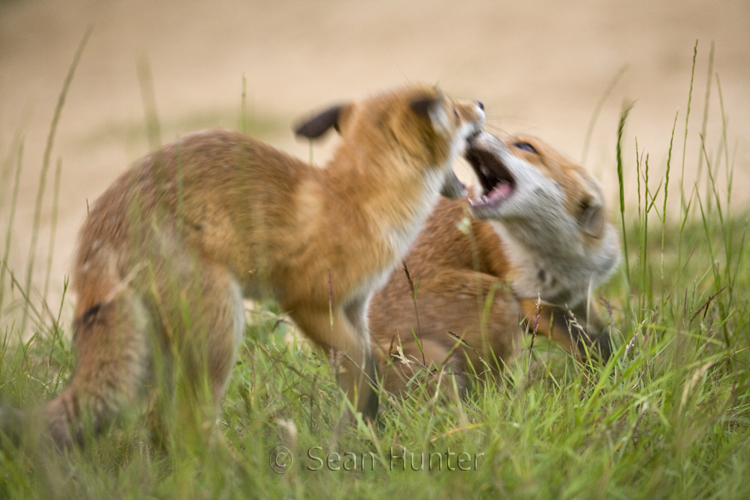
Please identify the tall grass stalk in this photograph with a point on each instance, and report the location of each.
(11, 218)
(704, 124)
(621, 182)
(664, 208)
(729, 166)
(148, 96)
(243, 110)
(6, 168)
(685, 207)
(45, 168)
(597, 111)
(687, 123)
(53, 228)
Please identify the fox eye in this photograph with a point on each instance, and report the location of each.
(455, 112)
(526, 147)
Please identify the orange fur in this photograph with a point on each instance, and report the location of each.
(169, 251)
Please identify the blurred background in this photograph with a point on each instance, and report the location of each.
(540, 66)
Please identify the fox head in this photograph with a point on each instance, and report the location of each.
(429, 127)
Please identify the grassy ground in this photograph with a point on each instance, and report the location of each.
(667, 416)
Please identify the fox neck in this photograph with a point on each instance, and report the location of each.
(394, 197)
(549, 262)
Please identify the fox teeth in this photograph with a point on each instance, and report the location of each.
(482, 200)
(485, 171)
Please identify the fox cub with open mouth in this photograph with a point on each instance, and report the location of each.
(537, 229)
(170, 250)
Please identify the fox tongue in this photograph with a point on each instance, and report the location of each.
(500, 191)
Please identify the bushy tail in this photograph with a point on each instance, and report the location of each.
(113, 361)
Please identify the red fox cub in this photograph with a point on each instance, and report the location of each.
(537, 229)
(170, 250)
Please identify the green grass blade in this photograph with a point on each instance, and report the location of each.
(45, 168)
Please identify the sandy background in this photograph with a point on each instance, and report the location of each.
(540, 67)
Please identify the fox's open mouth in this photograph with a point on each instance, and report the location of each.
(496, 180)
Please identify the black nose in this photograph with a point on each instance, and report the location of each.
(481, 105)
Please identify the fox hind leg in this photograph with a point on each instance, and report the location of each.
(202, 323)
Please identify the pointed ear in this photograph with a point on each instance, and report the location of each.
(431, 110)
(422, 106)
(320, 123)
(592, 221)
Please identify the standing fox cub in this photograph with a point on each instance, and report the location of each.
(538, 229)
(168, 252)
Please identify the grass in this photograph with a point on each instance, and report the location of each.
(667, 417)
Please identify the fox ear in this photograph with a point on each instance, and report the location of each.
(319, 124)
(431, 109)
(592, 221)
(423, 106)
